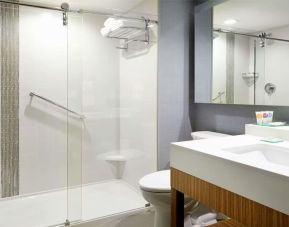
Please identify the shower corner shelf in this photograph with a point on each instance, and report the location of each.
(116, 158)
(250, 75)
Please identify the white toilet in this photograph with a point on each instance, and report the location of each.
(156, 189)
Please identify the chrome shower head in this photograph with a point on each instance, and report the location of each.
(65, 6)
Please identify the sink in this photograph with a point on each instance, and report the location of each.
(263, 152)
(241, 164)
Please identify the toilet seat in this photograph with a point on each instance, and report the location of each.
(158, 182)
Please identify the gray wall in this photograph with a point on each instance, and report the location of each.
(204, 51)
(173, 76)
(176, 86)
(230, 119)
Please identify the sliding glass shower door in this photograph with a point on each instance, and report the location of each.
(75, 118)
(78, 116)
(40, 126)
(115, 89)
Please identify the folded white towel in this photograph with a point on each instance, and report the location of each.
(115, 27)
(212, 222)
(132, 23)
(114, 24)
(203, 218)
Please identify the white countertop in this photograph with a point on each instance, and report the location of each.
(248, 176)
(215, 148)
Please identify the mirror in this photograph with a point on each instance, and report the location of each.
(242, 52)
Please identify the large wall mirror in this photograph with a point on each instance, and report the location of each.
(242, 52)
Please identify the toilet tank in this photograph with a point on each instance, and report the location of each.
(207, 135)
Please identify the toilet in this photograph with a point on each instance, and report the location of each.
(156, 189)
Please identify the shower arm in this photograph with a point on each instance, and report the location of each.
(56, 104)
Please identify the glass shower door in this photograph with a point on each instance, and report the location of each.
(116, 92)
(40, 152)
(43, 122)
(75, 119)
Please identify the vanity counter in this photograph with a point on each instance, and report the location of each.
(217, 170)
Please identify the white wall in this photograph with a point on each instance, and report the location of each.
(272, 67)
(241, 65)
(116, 93)
(92, 88)
(76, 67)
(43, 70)
(138, 106)
(277, 67)
(138, 101)
(100, 100)
(219, 67)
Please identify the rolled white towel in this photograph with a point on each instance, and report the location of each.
(109, 22)
(104, 31)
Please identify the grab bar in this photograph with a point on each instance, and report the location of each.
(56, 104)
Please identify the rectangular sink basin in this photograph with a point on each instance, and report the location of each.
(241, 164)
(265, 152)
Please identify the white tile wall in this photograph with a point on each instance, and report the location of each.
(116, 94)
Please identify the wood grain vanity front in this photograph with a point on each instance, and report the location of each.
(243, 211)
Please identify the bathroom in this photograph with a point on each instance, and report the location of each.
(94, 93)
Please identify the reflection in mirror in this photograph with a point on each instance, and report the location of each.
(249, 53)
(238, 66)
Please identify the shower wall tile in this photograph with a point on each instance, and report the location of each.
(230, 68)
(9, 100)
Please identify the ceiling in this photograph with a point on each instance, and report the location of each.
(106, 6)
(252, 15)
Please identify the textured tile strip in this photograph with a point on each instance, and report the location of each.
(9, 99)
(230, 68)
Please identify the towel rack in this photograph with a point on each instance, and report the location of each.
(56, 104)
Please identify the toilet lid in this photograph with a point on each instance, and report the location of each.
(156, 182)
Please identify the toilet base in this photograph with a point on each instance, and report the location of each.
(162, 217)
(162, 205)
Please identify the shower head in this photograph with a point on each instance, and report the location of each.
(65, 6)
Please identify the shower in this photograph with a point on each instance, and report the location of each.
(71, 104)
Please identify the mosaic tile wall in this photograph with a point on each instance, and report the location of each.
(9, 55)
(230, 58)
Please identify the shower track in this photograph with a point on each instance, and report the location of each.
(68, 10)
(249, 35)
